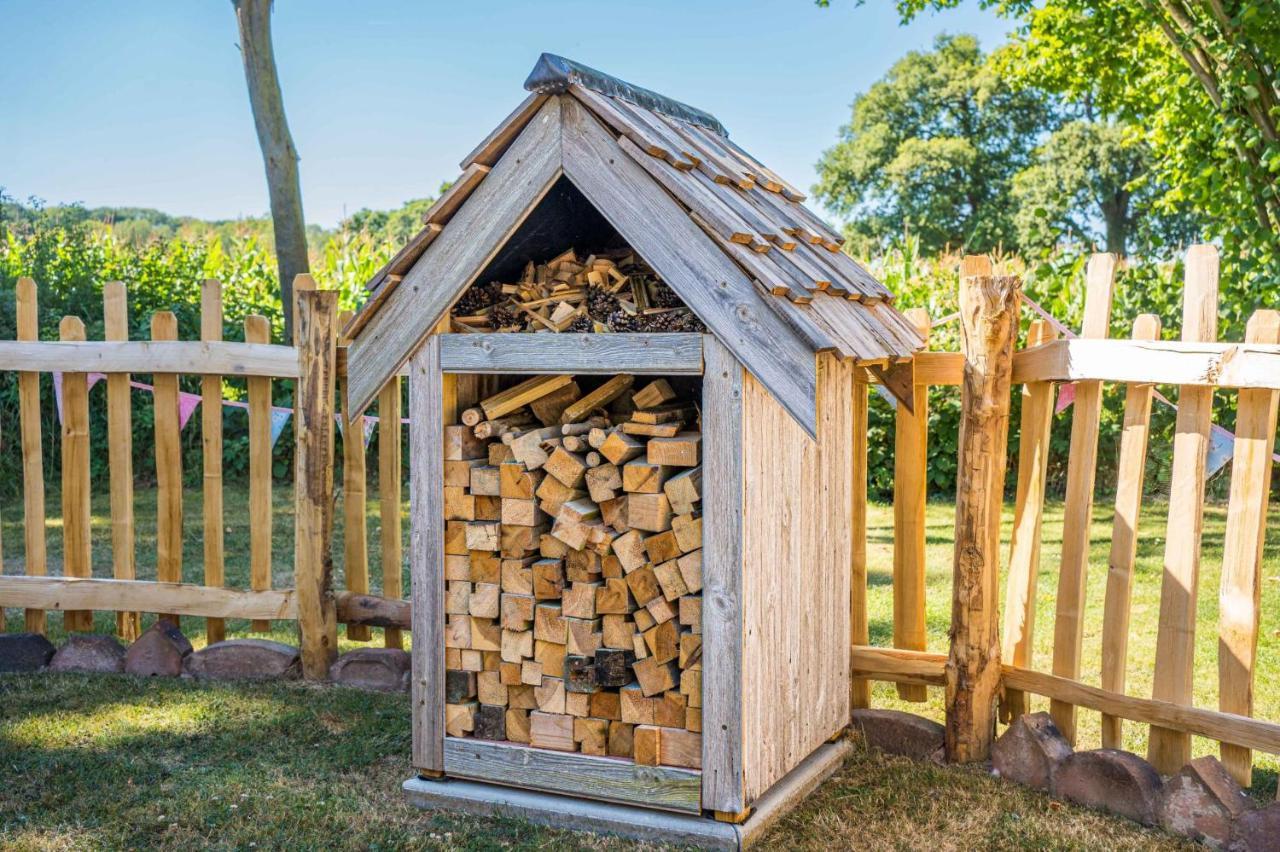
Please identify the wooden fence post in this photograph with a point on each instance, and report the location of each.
(1242, 549)
(989, 325)
(1082, 464)
(313, 489)
(1174, 678)
(910, 496)
(389, 496)
(77, 556)
(258, 330)
(168, 443)
(115, 314)
(211, 448)
(1028, 514)
(32, 451)
(355, 562)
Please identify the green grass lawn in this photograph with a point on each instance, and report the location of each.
(115, 762)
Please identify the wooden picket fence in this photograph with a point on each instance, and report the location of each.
(315, 363)
(1199, 367)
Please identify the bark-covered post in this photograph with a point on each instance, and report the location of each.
(313, 466)
(989, 326)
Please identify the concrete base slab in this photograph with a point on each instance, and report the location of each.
(575, 814)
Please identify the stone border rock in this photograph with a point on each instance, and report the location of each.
(163, 651)
(1201, 802)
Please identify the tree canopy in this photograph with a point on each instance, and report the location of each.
(932, 149)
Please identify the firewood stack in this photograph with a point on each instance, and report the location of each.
(606, 292)
(574, 570)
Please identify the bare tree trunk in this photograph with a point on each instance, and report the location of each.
(279, 156)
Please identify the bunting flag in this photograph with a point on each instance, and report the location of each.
(1066, 396)
(187, 403)
(370, 423)
(1222, 446)
(279, 419)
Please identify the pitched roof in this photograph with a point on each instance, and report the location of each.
(794, 291)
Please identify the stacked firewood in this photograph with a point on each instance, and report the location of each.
(573, 570)
(607, 291)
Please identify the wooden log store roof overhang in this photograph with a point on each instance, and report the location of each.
(731, 238)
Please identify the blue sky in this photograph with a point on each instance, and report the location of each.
(134, 103)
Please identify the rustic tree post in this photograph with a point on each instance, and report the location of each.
(313, 483)
(989, 324)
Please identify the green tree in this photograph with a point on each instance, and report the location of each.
(1091, 183)
(932, 149)
(1200, 81)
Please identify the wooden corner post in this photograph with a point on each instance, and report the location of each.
(989, 325)
(313, 467)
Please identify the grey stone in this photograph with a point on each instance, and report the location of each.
(245, 659)
(24, 652)
(1257, 830)
(158, 652)
(1111, 780)
(1202, 801)
(89, 652)
(1030, 751)
(383, 669)
(895, 732)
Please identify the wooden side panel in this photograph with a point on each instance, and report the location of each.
(722, 601)
(426, 550)
(795, 575)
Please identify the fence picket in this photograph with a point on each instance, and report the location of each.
(77, 555)
(164, 326)
(910, 493)
(1124, 536)
(355, 541)
(1242, 549)
(211, 451)
(1068, 633)
(1028, 515)
(1168, 749)
(258, 330)
(28, 327)
(389, 463)
(115, 313)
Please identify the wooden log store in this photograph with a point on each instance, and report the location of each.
(634, 358)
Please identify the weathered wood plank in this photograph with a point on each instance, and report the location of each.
(1242, 550)
(589, 354)
(115, 314)
(156, 356)
(989, 325)
(722, 624)
(1166, 362)
(1082, 465)
(604, 778)
(145, 596)
(315, 327)
(1124, 537)
(1028, 513)
(694, 267)
(1168, 749)
(426, 542)
(475, 234)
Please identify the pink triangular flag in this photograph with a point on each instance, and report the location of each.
(1066, 396)
(187, 403)
(57, 393)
